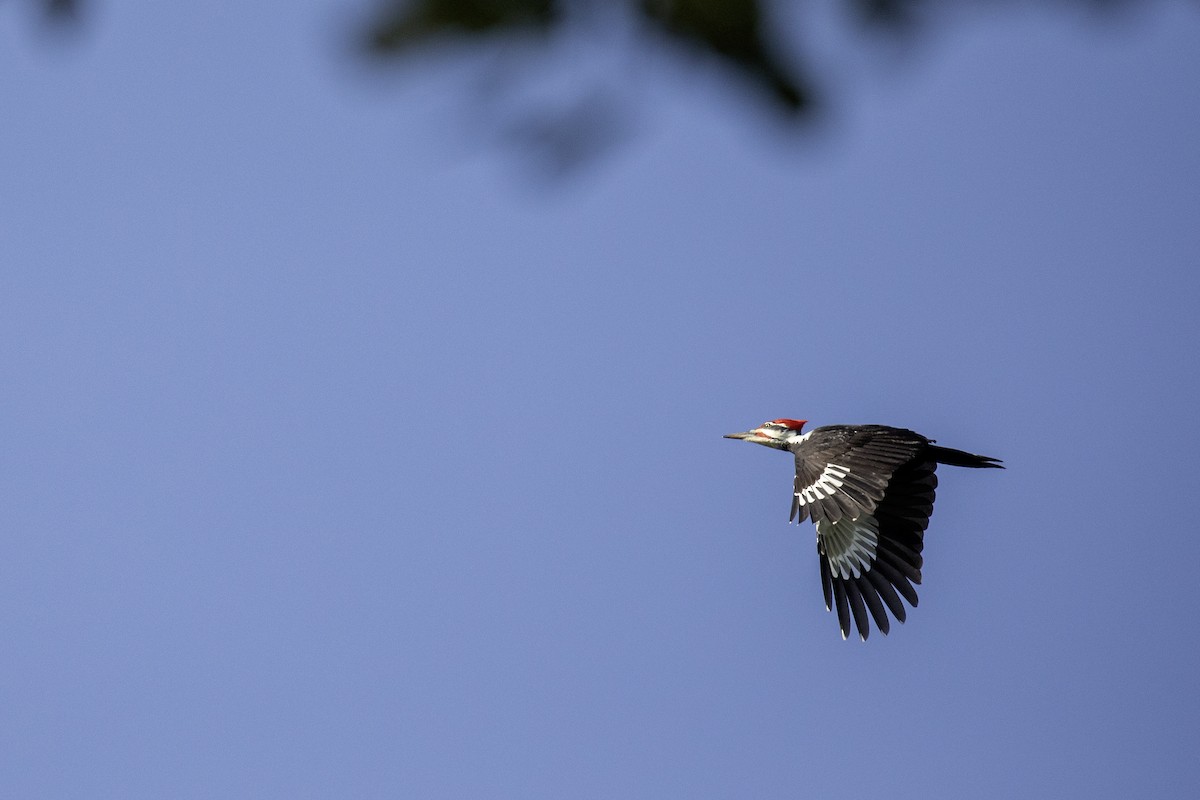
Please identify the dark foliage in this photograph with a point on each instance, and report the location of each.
(740, 37)
(733, 33)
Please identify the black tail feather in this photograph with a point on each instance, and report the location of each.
(961, 458)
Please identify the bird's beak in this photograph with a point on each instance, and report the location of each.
(746, 435)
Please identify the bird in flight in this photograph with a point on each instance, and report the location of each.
(869, 491)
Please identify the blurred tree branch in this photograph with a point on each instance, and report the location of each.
(742, 38)
(403, 25)
(732, 33)
(730, 30)
(60, 10)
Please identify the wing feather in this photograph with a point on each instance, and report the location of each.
(898, 581)
(858, 608)
(843, 607)
(871, 597)
(844, 471)
(826, 582)
(869, 565)
(888, 593)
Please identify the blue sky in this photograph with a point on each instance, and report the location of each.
(343, 459)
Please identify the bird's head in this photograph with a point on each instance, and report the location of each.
(778, 433)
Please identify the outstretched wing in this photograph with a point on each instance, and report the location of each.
(868, 563)
(842, 471)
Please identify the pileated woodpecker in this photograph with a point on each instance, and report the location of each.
(869, 491)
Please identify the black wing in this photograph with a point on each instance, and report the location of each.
(868, 564)
(842, 471)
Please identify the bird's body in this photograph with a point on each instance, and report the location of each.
(869, 490)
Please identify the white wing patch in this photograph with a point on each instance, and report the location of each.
(824, 486)
(849, 544)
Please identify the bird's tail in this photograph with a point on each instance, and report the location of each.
(961, 458)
